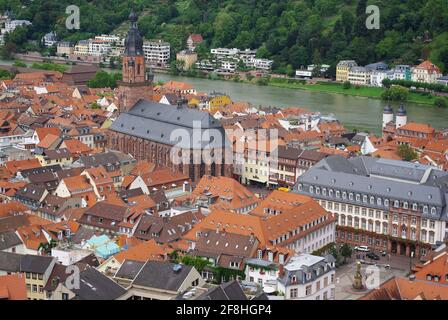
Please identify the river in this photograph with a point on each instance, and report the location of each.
(354, 112)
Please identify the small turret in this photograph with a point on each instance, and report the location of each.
(388, 115)
(402, 117)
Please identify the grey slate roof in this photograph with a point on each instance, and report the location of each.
(303, 264)
(129, 269)
(167, 124)
(96, 286)
(226, 291)
(8, 240)
(9, 262)
(35, 264)
(388, 179)
(161, 275)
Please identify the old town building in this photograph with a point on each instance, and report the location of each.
(177, 137)
(391, 205)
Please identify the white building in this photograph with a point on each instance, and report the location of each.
(426, 72)
(304, 74)
(262, 64)
(99, 47)
(222, 53)
(11, 25)
(111, 39)
(50, 39)
(265, 271)
(228, 66)
(308, 277)
(157, 52)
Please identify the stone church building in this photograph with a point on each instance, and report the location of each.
(184, 139)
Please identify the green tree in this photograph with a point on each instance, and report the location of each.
(346, 85)
(5, 75)
(102, 79)
(406, 152)
(346, 251)
(441, 102)
(197, 262)
(395, 93)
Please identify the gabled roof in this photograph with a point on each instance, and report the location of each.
(148, 250)
(399, 288)
(227, 291)
(162, 276)
(96, 286)
(170, 125)
(8, 240)
(229, 192)
(13, 287)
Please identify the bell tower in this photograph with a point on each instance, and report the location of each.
(136, 84)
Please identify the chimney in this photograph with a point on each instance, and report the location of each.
(281, 271)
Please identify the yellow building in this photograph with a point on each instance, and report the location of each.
(218, 101)
(343, 68)
(37, 271)
(82, 48)
(61, 157)
(188, 57)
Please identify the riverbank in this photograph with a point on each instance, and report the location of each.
(360, 91)
(323, 87)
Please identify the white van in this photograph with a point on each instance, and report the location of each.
(362, 249)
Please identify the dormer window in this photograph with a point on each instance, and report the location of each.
(397, 204)
(260, 254)
(270, 256)
(433, 210)
(281, 259)
(414, 207)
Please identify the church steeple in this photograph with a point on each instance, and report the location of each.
(136, 84)
(134, 41)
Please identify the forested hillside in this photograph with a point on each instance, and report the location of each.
(292, 32)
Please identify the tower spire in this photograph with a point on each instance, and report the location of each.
(136, 84)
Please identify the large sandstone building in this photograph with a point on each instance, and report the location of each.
(161, 133)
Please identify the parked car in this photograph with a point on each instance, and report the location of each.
(383, 253)
(362, 248)
(373, 256)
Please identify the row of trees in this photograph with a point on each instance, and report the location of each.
(418, 85)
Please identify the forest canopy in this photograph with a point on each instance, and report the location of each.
(293, 33)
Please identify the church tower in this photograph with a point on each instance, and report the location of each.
(136, 83)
